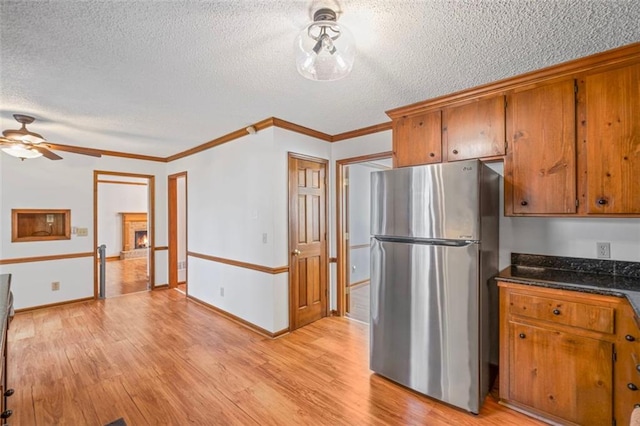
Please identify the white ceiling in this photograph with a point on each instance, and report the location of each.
(158, 77)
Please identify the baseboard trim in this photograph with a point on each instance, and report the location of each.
(160, 286)
(54, 305)
(238, 320)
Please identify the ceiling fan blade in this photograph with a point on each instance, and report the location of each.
(46, 153)
(74, 149)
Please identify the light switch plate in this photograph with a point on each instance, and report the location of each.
(82, 232)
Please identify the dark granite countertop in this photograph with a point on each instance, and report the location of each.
(598, 276)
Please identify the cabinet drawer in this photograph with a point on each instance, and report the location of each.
(575, 314)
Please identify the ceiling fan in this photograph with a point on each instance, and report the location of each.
(23, 143)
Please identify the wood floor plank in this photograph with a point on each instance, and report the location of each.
(159, 358)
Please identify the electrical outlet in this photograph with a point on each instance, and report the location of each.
(603, 250)
(55, 286)
(264, 238)
(221, 291)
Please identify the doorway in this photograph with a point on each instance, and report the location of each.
(177, 217)
(308, 262)
(353, 177)
(124, 224)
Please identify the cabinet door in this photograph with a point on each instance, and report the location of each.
(613, 141)
(474, 130)
(540, 169)
(562, 374)
(417, 140)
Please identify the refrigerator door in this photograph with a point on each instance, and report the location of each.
(425, 320)
(436, 201)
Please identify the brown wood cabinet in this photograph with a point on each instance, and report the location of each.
(613, 141)
(572, 133)
(540, 170)
(474, 130)
(417, 140)
(562, 374)
(568, 356)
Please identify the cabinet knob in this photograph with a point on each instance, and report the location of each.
(6, 414)
(630, 338)
(638, 368)
(455, 151)
(523, 203)
(632, 387)
(556, 312)
(522, 335)
(602, 201)
(9, 392)
(636, 405)
(431, 154)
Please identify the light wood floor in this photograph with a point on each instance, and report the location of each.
(126, 276)
(159, 358)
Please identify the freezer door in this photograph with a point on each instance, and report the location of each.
(425, 319)
(436, 201)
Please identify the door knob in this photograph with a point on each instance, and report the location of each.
(296, 252)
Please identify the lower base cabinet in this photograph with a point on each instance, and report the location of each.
(567, 356)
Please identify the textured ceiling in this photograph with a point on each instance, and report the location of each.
(159, 77)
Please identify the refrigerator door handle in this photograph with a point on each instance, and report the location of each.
(423, 241)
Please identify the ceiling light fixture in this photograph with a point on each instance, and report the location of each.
(325, 50)
(21, 151)
(23, 139)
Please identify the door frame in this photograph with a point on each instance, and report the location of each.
(342, 224)
(319, 160)
(172, 219)
(151, 220)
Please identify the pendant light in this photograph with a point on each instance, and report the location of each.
(325, 50)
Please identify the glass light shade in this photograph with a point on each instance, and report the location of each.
(23, 135)
(325, 51)
(21, 151)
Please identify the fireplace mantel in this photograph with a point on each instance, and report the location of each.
(131, 222)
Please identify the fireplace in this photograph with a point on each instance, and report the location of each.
(135, 240)
(140, 239)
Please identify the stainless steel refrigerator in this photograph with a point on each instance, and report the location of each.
(434, 249)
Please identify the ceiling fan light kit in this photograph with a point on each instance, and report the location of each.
(25, 144)
(21, 151)
(324, 49)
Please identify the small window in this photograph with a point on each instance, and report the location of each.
(40, 225)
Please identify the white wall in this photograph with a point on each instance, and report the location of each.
(113, 199)
(237, 192)
(64, 184)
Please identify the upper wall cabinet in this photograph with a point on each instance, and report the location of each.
(540, 169)
(572, 133)
(417, 139)
(474, 130)
(613, 141)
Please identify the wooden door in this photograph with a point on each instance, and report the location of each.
(540, 169)
(565, 375)
(417, 140)
(173, 228)
(474, 130)
(307, 240)
(613, 141)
